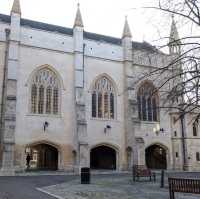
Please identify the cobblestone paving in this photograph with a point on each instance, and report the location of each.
(112, 188)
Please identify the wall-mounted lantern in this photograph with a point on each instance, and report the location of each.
(108, 127)
(45, 125)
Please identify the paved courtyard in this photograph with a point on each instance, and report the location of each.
(111, 187)
(25, 187)
(62, 186)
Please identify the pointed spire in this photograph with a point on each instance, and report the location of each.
(174, 39)
(127, 30)
(78, 19)
(16, 8)
(174, 36)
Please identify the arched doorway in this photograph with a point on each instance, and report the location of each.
(156, 157)
(103, 157)
(44, 157)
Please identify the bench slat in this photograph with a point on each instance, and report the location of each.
(142, 171)
(184, 185)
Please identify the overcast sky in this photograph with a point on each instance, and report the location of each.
(99, 16)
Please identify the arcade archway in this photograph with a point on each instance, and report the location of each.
(156, 157)
(103, 157)
(44, 157)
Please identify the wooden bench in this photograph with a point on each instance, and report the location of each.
(184, 185)
(142, 171)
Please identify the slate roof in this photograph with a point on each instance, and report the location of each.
(5, 18)
(104, 38)
(87, 35)
(47, 27)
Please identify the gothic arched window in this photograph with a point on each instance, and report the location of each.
(195, 127)
(45, 89)
(103, 99)
(148, 102)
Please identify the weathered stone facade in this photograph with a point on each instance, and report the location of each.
(78, 58)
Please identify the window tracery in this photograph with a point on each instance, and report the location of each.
(148, 102)
(103, 96)
(45, 92)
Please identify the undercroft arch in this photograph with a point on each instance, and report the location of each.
(156, 156)
(103, 157)
(44, 156)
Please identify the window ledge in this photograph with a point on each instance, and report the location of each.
(104, 119)
(149, 122)
(44, 115)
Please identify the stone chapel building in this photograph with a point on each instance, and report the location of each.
(68, 99)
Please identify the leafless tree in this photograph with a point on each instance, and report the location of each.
(182, 73)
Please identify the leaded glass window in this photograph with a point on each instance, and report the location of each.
(94, 103)
(112, 105)
(34, 98)
(103, 99)
(55, 101)
(106, 108)
(195, 128)
(100, 107)
(148, 102)
(48, 100)
(41, 100)
(45, 92)
(149, 105)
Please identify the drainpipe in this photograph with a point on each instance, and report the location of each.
(4, 84)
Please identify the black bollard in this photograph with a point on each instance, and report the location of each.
(85, 175)
(162, 179)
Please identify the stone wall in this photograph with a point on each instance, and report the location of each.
(145, 130)
(74, 132)
(2, 62)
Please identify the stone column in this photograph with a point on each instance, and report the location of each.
(10, 96)
(139, 155)
(81, 124)
(84, 155)
(127, 56)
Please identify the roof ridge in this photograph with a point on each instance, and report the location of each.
(69, 31)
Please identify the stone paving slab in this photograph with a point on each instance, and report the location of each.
(64, 173)
(112, 188)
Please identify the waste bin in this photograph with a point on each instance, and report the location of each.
(85, 175)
